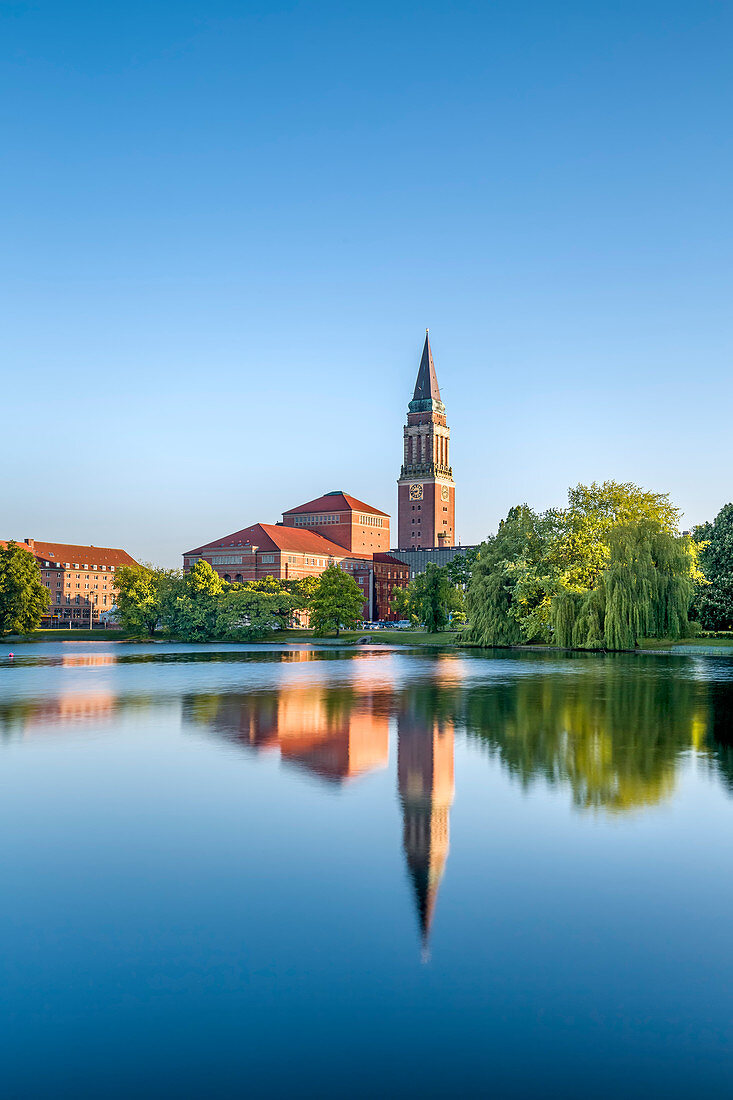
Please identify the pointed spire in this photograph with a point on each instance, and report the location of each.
(426, 883)
(426, 387)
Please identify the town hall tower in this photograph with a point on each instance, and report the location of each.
(425, 489)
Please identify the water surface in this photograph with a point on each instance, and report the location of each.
(269, 871)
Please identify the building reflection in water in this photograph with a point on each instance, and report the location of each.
(614, 737)
(335, 734)
(426, 787)
(341, 732)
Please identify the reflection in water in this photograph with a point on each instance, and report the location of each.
(425, 776)
(338, 733)
(615, 737)
(27, 716)
(611, 730)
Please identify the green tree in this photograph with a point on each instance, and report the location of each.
(581, 549)
(249, 611)
(714, 597)
(582, 576)
(644, 592)
(337, 601)
(140, 591)
(430, 595)
(459, 568)
(302, 591)
(512, 580)
(23, 596)
(400, 603)
(191, 604)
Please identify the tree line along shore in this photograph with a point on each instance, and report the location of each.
(610, 571)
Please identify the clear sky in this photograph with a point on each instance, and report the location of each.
(226, 226)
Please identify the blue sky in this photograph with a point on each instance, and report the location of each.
(227, 225)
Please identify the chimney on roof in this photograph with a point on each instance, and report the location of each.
(30, 542)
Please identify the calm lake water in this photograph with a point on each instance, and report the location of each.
(256, 871)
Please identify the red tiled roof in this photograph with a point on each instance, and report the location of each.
(270, 536)
(336, 501)
(73, 553)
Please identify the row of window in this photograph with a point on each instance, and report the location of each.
(76, 565)
(371, 521)
(77, 599)
(68, 585)
(78, 576)
(315, 519)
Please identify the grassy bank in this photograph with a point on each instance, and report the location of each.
(347, 637)
(705, 643)
(379, 637)
(67, 636)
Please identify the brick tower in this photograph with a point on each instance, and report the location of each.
(425, 489)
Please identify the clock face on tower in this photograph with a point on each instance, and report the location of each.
(416, 492)
(445, 493)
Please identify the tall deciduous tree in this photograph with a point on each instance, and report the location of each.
(714, 598)
(644, 592)
(607, 569)
(430, 594)
(23, 596)
(190, 606)
(249, 611)
(511, 581)
(140, 591)
(337, 601)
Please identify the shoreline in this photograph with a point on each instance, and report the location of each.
(353, 639)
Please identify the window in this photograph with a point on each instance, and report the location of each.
(267, 559)
(77, 599)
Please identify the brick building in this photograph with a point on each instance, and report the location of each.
(80, 579)
(335, 529)
(425, 488)
(344, 520)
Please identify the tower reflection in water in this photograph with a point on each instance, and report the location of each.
(341, 733)
(425, 778)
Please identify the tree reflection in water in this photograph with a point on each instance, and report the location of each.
(612, 730)
(613, 734)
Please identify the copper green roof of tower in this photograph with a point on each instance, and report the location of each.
(426, 387)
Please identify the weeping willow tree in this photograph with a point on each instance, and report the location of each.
(644, 592)
(601, 574)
